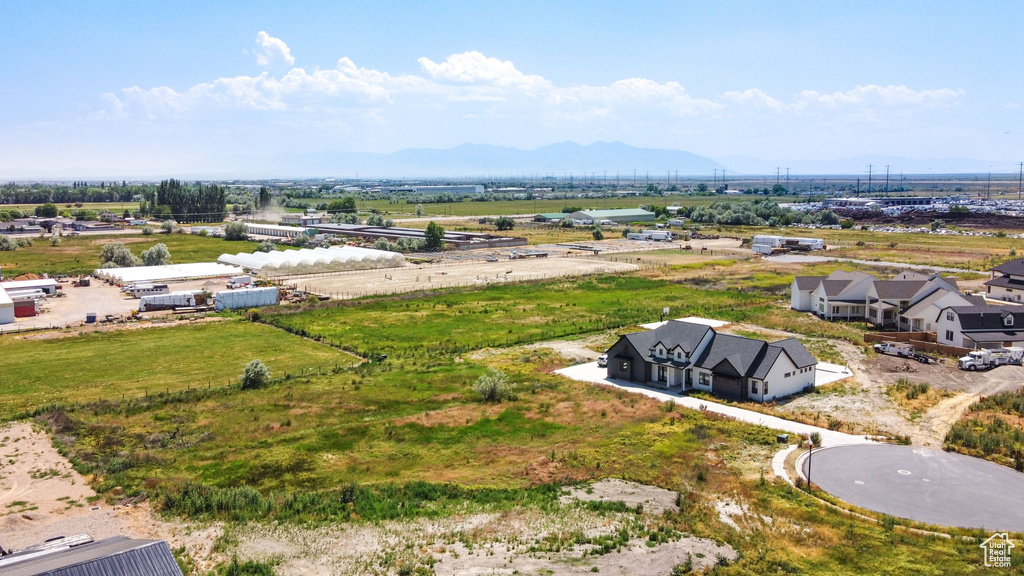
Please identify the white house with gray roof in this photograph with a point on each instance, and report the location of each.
(688, 356)
(1009, 285)
(981, 326)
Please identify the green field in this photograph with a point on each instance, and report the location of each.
(107, 365)
(115, 207)
(80, 254)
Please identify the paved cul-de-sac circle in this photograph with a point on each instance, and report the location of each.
(922, 484)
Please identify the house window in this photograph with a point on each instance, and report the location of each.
(835, 309)
(704, 379)
(765, 389)
(624, 367)
(753, 387)
(949, 335)
(949, 315)
(1008, 321)
(788, 374)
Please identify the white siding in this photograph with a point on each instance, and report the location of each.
(779, 385)
(948, 331)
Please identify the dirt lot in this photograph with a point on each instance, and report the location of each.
(69, 310)
(432, 276)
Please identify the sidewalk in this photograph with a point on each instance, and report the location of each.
(593, 373)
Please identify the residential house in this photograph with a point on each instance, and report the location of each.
(980, 326)
(889, 302)
(689, 356)
(842, 295)
(1009, 285)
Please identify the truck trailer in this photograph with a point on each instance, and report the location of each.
(984, 358)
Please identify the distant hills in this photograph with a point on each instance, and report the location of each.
(558, 160)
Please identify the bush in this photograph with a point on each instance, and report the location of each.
(167, 226)
(375, 220)
(48, 210)
(158, 255)
(504, 223)
(248, 568)
(235, 231)
(494, 386)
(267, 246)
(117, 255)
(147, 230)
(567, 223)
(256, 375)
(598, 233)
(55, 240)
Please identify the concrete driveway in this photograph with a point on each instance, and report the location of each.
(593, 373)
(922, 484)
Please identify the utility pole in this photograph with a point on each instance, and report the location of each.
(988, 187)
(886, 180)
(787, 180)
(716, 179)
(869, 179)
(777, 172)
(1020, 179)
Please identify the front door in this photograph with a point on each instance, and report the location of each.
(689, 379)
(662, 374)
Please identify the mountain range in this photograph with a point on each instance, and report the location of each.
(602, 159)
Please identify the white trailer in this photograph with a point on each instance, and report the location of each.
(149, 289)
(182, 299)
(245, 298)
(985, 358)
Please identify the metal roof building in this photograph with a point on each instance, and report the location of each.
(81, 556)
(6, 308)
(169, 272)
(621, 216)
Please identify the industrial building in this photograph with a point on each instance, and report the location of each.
(273, 230)
(6, 308)
(620, 216)
(82, 556)
(48, 285)
(457, 240)
(464, 189)
(880, 202)
(312, 261)
(138, 274)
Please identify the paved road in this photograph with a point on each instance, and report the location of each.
(592, 373)
(922, 484)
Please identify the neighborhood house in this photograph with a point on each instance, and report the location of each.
(690, 356)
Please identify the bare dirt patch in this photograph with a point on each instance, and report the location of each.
(653, 499)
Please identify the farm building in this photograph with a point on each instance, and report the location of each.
(550, 217)
(81, 556)
(767, 243)
(273, 230)
(313, 261)
(245, 298)
(6, 308)
(620, 216)
(47, 285)
(690, 356)
(138, 274)
(457, 240)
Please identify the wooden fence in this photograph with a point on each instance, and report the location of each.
(921, 341)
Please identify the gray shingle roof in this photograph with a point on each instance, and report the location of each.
(743, 353)
(686, 334)
(117, 556)
(898, 289)
(1014, 267)
(1006, 282)
(834, 287)
(808, 282)
(987, 318)
(796, 351)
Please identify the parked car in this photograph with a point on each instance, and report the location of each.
(602, 360)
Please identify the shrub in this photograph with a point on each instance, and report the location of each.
(504, 223)
(55, 240)
(147, 230)
(235, 231)
(494, 386)
(267, 246)
(167, 226)
(598, 233)
(117, 255)
(158, 255)
(256, 375)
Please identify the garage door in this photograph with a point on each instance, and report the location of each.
(729, 388)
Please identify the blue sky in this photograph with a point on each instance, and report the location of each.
(141, 87)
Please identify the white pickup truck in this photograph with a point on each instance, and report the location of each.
(895, 349)
(983, 359)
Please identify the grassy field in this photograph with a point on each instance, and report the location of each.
(105, 365)
(115, 207)
(80, 254)
(993, 429)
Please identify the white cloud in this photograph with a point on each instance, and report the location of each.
(754, 98)
(874, 95)
(270, 50)
(474, 67)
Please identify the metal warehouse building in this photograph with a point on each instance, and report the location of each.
(81, 556)
(6, 308)
(622, 216)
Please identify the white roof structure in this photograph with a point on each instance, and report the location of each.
(317, 260)
(28, 284)
(6, 308)
(169, 272)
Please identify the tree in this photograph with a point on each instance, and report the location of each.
(598, 233)
(300, 241)
(702, 188)
(267, 246)
(847, 223)
(346, 204)
(828, 218)
(235, 231)
(48, 210)
(117, 255)
(264, 197)
(567, 223)
(147, 230)
(504, 223)
(626, 232)
(55, 239)
(158, 255)
(494, 386)
(434, 236)
(419, 210)
(256, 375)
(167, 226)
(375, 220)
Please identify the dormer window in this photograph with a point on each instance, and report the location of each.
(949, 315)
(659, 351)
(1008, 320)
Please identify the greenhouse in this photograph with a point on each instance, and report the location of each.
(313, 261)
(123, 276)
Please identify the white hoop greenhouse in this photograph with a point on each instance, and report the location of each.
(313, 261)
(198, 270)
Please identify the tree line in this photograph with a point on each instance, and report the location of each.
(186, 203)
